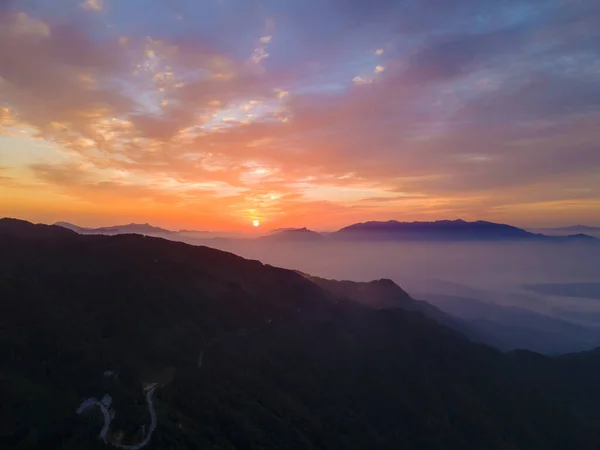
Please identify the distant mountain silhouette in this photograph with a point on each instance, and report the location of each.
(579, 290)
(293, 234)
(575, 237)
(576, 229)
(135, 228)
(250, 356)
(443, 230)
(70, 226)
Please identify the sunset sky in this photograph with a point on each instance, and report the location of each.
(210, 114)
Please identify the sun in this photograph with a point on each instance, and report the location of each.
(256, 222)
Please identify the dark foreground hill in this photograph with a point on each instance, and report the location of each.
(248, 356)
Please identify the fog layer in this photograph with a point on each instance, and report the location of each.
(455, 276)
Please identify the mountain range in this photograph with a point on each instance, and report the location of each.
(135, 228)
(293, 234)
(442, 230)
(572, 229)
(243, 355)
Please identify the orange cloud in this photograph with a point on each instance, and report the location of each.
(179, 128)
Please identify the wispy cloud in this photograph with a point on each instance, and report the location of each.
(95, 5)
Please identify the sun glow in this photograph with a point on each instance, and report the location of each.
(255, 222)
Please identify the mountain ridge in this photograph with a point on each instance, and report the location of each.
(380, 230)
(445, 230)
(137, 228)
(571, 228)
(293, 234)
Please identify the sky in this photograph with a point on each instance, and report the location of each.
(212, 114)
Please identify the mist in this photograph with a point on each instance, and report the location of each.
(523, 287)
(433, 267)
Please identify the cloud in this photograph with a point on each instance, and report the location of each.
(476, 106)
(86, 183)
(360, 80)
(95, 5)
(453, 55)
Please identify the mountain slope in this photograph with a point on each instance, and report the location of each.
(511, 328)
(385, 294)
(249, 356)
(503, 327)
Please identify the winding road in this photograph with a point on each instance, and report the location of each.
(106, 402)
(91, 402)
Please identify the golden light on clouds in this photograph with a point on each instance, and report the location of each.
(281, 94)
(25, 26)
(155, 121)
(259, 54)
(95, 5)
(360, 80)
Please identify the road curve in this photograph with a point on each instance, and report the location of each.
(91, 402)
